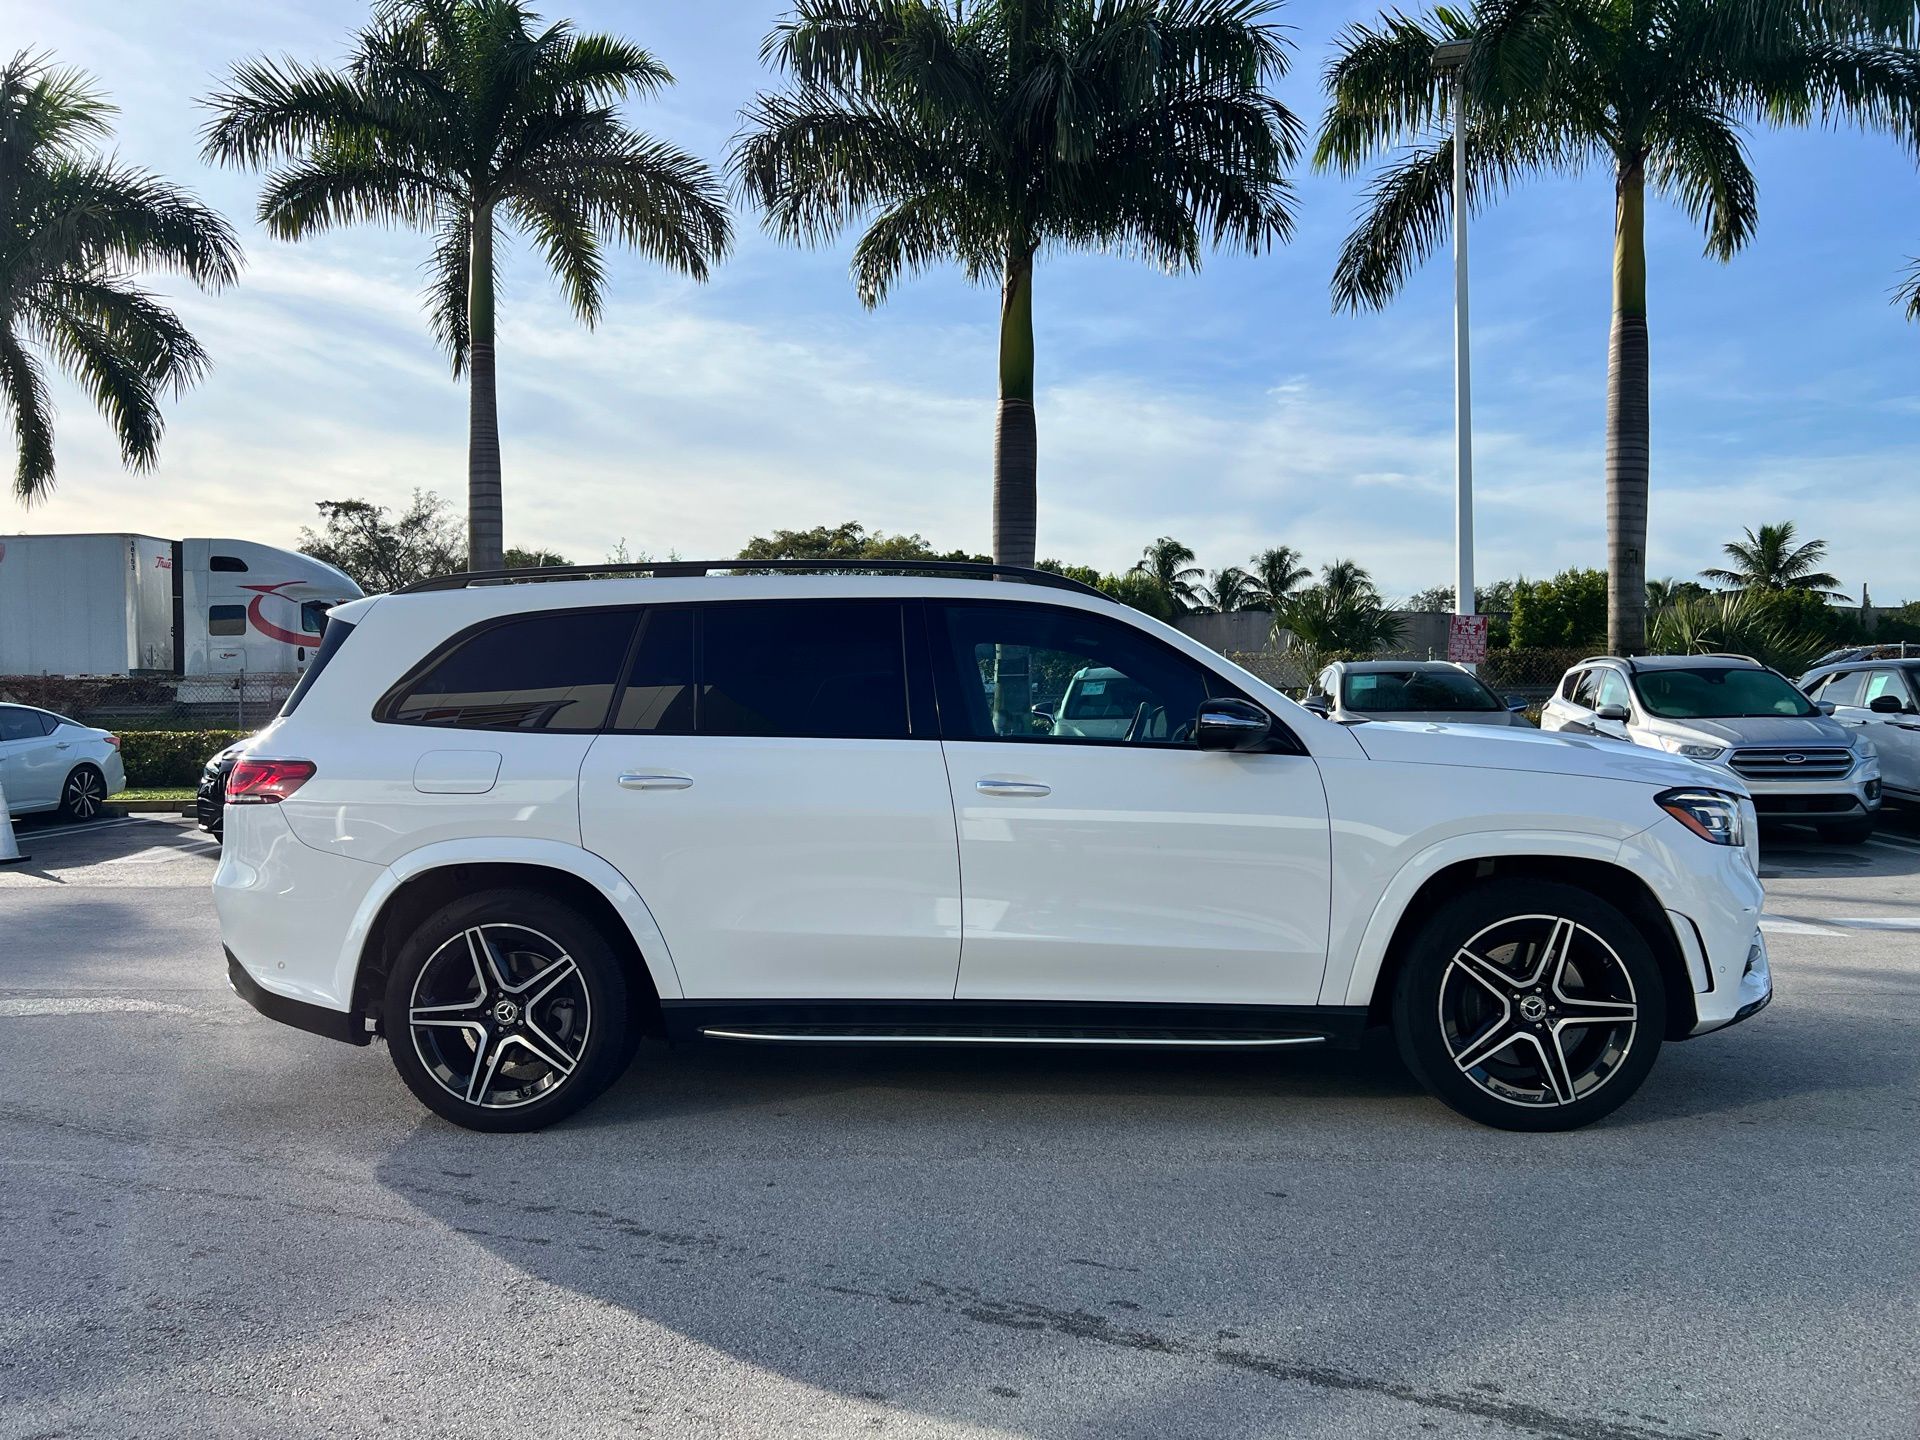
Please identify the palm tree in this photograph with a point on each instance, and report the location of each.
(1769, 560)
(1342, 615)
(1657, 91)
(1230, 589)
(460, 118)
(1169, 564)
(75, 228)
(987, 132)
(1277, 573)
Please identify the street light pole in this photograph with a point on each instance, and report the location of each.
(1450, 59)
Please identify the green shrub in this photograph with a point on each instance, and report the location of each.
(158, 758)
(1568, 611)
(1142, 592)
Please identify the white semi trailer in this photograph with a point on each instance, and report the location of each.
(136, 604)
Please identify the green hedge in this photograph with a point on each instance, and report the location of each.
(156, 758)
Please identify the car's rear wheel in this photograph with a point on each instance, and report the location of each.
(84, 794)
(507, 1011)
(1530, 1005)
(1856, 831)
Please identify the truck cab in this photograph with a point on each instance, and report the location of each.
(248, 607)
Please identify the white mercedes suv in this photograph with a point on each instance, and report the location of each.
(513, 827)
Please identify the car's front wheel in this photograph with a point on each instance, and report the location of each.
(1530, 1005)
(507, 1011)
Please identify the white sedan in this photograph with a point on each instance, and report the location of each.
(48, 762)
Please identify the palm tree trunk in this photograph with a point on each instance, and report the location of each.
(1628, 431)
(1015, 438)
(484, 528)
(1015, 460)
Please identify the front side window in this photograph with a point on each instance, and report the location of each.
(226, 620)
(1886, 682)
(1719, 692)
(817, 669)
(20, 724)
(1035, 672)
(1613, 690)
(554, 671)
(1389, 692)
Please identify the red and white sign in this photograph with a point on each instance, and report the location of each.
(1467, 640)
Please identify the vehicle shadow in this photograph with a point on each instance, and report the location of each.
(989, 1238)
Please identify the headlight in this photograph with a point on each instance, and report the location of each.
(1707, 813)
(1691, 749)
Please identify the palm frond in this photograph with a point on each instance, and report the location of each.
(118, 385)
(344, 184)
(1909, 290)
(100, 212)
(566, 240)
(30, 409)
(449, 279)
(1697, 159)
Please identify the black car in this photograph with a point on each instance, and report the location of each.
(210, 803)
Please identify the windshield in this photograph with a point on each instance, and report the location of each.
(1404, 691)
(1715, 693)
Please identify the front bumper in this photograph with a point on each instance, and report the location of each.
(1754, 993)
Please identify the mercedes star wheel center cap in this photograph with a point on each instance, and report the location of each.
(1534, 1008)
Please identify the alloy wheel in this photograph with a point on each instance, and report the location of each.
(86, 793)
(500, 1016)
(1538, 1010)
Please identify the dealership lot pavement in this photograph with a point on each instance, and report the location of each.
(214, 1226)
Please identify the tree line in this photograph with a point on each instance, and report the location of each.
(985, 133)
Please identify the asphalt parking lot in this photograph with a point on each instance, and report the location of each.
(215, 1226)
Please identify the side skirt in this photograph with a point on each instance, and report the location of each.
(1016, 1022)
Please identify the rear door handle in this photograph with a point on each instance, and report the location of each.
(1012, 787)
(655, 781)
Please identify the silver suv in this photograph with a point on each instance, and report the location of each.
(1731, 714)
(1879, 698)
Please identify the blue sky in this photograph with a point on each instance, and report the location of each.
(1232, 409)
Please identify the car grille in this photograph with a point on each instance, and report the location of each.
(1787, 763)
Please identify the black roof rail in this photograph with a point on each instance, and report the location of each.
(669, 569)
(1612, 659)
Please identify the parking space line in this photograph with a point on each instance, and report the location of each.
(1835, 926)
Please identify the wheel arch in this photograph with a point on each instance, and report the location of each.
(422, 882)
(1608, 880)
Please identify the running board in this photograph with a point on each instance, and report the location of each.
(1171, 1039)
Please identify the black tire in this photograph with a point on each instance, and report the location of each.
(1449, 1017)
(578, 1017)
(83, 794)
(1856, 831)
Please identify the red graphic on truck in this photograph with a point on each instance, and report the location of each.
(266, 627)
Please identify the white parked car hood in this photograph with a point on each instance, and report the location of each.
(1488, 748)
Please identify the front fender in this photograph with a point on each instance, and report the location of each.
(1351, 975)
(548, 855)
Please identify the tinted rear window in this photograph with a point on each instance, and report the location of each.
(827, 669)
(551, 671)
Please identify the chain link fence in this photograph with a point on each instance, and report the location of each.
(140, 702)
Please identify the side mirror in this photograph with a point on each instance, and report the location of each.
(1611, 712)
(1887, 705)
(1825, 707)
(1516, 703)
(1320, 705)
(1229, 724)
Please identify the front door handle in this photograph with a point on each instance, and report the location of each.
(1028, 788)
(655, 780)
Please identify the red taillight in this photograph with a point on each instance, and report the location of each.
(266, 782)
(113, 740)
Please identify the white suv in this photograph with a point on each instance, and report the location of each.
(512, 827)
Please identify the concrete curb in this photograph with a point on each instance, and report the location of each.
(152, 807)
